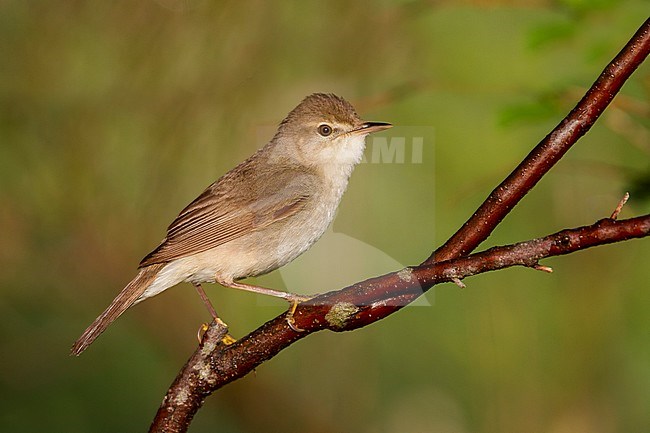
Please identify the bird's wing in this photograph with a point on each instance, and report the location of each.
(232, 207)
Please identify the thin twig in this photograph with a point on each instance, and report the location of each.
(619, 206)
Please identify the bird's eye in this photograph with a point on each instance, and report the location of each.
(324, 130)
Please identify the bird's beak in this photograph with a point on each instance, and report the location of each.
(369, 127)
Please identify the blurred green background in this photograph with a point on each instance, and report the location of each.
(114, 115)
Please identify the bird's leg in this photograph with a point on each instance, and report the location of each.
(227, 339)
(292, 298)
(206, 301)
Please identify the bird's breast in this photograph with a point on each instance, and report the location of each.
(264, 250)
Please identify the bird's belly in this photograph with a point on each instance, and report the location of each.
(253, 254)
(256, 253)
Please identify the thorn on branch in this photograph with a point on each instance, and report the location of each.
(458, 282)
(543, 268)
(620, 205)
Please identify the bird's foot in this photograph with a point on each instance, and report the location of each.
(293, 301)
(227, 339)
(201, 331)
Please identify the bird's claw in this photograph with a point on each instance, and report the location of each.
(201, 331)
(294, 300)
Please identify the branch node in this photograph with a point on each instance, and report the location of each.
(620, 205)
(340, 313)
(458, 282)
(405, 274)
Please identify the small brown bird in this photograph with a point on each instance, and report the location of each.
(260, 215)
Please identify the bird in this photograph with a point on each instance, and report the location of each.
(258, 216)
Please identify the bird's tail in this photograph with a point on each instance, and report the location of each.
(127, 297)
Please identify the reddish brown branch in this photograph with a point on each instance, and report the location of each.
(186, 394)
(215, 364)
(549, 151)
